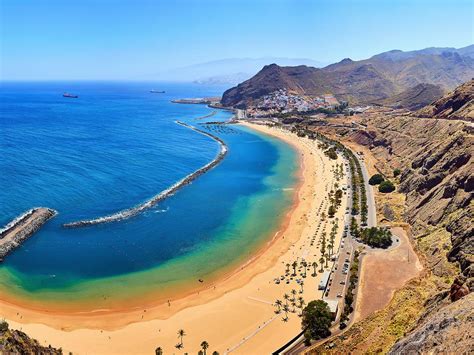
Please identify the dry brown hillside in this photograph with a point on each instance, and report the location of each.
(459, 104)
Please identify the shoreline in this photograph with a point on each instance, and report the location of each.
(220, 277)
(264, 262)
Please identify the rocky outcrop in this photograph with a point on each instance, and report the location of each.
(459, 104)
(15, 342)
(449, 330)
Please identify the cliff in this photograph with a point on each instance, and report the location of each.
(459, 104)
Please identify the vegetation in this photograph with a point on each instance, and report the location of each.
(376, 179)
(331, 153)
(349, 297)
(181, 334)
(3, 326)
(204, 346)
(396, 172)
(376, 237)
(386, 186)
(316, 320)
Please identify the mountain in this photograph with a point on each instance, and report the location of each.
(458, 104)
(227, 71)
(359, 82)
(415, 97)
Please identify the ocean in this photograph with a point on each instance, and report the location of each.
(114, 147)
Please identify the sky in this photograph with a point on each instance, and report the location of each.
(135, 39)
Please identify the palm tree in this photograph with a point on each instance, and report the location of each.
(215, 353)
(159, 351)
(204, 346)
(286, 297)
(181, 334)
(305, 264)
(301, 284)
(293, 293)
(286, 309)
(315, 265)
(278, 303)
(294, 265)
(287, 268)
(327, 258)
(321, 262)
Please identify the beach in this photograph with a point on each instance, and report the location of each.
(235, 313)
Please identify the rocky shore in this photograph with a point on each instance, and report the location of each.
(165, 193)
(23, 227)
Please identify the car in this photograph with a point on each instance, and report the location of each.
(345, 272)
(339, 295)
(347, 260)
(342, 282)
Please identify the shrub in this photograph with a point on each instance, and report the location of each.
(376, 179)
(3, 326)
(386, 186)
(396, 172)
(376, 237)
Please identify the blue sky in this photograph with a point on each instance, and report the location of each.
(130, 39)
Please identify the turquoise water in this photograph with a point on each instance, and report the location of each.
(113, 148)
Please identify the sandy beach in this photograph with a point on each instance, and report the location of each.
(236, 313)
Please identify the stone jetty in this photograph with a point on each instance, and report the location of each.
(23, 227)
(124, 214)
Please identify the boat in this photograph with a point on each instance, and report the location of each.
(157, 92)
(71, 96)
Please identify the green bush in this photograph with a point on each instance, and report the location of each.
(3, 326)
(396, 172)
(376, 179)
(316, 319)
(386, 186)
(376, 237)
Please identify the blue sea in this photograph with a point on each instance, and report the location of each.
(114, 147)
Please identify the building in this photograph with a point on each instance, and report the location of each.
(324, 280)
(333, 307)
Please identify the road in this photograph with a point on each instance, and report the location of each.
(372, 211)
(345, 252)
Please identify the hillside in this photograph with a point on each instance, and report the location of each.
(437, 187)
(458, 104)
(414, 98)
(17, 342)
(359, 82)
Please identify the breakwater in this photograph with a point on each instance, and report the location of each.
(23, 227)
(124, 214)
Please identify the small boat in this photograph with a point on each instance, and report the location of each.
(157, 92)
(71, 96)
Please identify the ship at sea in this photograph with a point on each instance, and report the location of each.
(66, 94)
(157, 91)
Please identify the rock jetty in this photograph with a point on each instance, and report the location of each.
(23, 227)
(162, 195)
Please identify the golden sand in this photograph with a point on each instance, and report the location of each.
(237, 314)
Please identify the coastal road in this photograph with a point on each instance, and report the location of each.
(372, 211)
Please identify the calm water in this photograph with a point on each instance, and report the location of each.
(114, 147)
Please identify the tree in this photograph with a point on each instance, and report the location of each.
(181, 334)
(386, 187)
(376, 179)
(331, 211)
(159, 351)
(316, 320)
(396, 172)
(315, 265)
(278, 303)
(204, 346)
(294, 265)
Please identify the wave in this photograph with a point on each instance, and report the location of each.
(131, 212)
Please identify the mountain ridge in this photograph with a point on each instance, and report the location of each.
(359, 82)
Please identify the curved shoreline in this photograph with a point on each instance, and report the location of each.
(131, 212)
